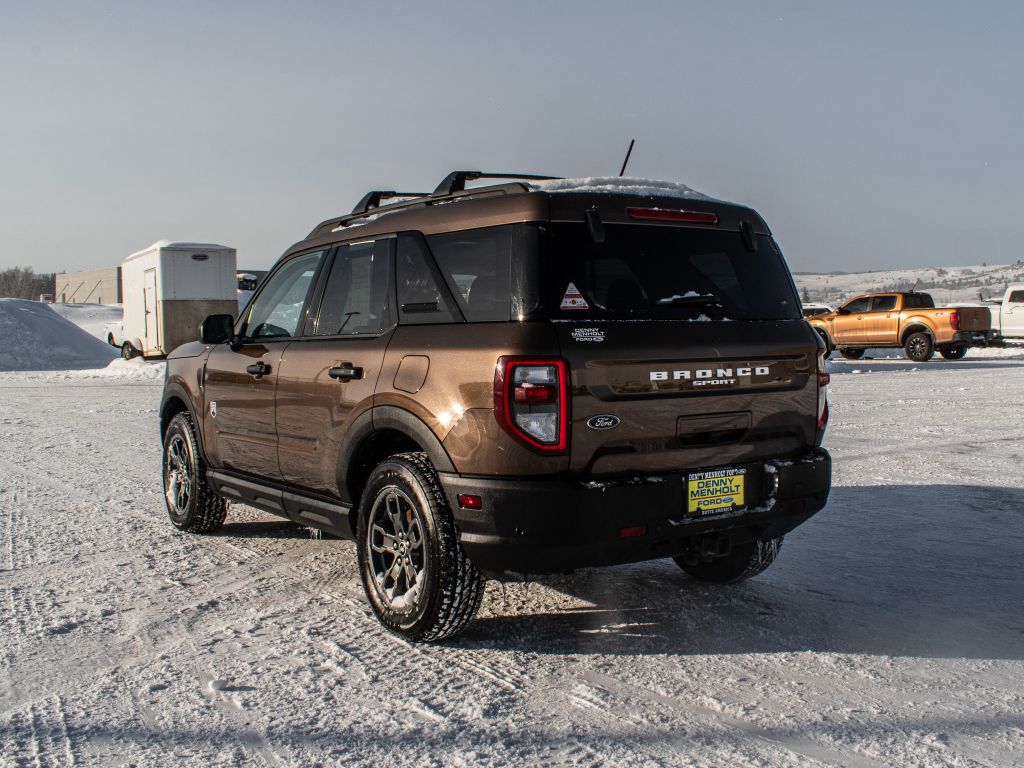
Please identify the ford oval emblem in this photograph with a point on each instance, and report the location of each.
(603, 421)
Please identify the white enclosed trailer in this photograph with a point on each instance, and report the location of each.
(168, 288)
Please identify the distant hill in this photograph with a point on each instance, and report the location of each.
(946, 284)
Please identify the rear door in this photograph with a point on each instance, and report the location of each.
(328, 377)
(151, 344)
(882, 323)
(241, 378)
(686, 350)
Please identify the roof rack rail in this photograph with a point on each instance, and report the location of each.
(456, 180)
(372, 199)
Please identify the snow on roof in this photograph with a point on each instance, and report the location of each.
(615, 185)
(178, 245)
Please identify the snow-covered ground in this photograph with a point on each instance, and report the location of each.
(889, 632)
(946, 284)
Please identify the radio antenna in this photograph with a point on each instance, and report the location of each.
(628, 153)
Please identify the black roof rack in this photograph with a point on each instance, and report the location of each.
(372, 199)
(454, 184)
(456, 180)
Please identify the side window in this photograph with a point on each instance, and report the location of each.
(477, 266)
(421, 300)
(276, 311)
(858, 305)
(1016, 297)
(918, 301)
(883, 304)
(356, 297)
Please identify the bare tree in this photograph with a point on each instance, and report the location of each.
(24, 283)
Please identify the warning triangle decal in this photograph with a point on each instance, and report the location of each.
(573, 299)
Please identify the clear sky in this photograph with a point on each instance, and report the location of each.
(868, 134)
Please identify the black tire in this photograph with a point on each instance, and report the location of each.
(403, 502)
(852, 354)
(919, 347)
(743, 562)
(828, 343)
(954, 352)
(127, 350)
(110, 340)
(191, 502)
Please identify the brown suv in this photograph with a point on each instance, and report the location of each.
(528, 377)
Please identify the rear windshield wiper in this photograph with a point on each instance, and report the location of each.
(692, 300)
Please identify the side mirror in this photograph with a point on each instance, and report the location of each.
(216, 329)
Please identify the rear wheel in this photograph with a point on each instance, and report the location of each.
(416, 575)
(127, 350)
(743, 562)
(191, 502)
(955, 352)
(919, 347)
(852, 354)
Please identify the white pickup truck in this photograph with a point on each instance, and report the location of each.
(1008, 316)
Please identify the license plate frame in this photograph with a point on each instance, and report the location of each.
(716, 491)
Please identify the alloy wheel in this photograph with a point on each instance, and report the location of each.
(178, 476)
(397, 551)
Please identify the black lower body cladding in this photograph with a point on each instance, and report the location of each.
(556, 525)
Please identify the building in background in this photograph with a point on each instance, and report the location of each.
(92, 286)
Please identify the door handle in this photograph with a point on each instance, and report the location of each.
(345, 372)
(258, 369)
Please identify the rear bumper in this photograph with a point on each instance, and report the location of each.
(556, 525)
(978, 338)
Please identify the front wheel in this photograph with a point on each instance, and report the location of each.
(852, 354)
(416, 575)
(191, 502)
(955, 352)
(743, 562)
(828, 343)
(919, 347)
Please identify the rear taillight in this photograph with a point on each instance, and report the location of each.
(824, 377)
(954, 320)
(531, 401)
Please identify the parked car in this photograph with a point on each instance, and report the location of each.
(491, 381)
(810, 309)
(908, 320)
(1008, 316)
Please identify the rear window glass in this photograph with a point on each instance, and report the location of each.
(477, 266)
(647, 272)
(918, 301)
(883, 304)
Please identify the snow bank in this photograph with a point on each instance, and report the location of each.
(614, 185)
(35, 338)
(91, 318)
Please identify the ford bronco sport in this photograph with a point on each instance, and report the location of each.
(528, 377)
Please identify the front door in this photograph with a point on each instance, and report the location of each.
(241, 378)
(152, 341)
(328, 378)
(848, 327)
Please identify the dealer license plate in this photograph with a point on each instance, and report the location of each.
(715, 490)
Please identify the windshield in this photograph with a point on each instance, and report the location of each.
(670, 273)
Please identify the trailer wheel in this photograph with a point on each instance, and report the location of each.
(127, 350)
(955, 352)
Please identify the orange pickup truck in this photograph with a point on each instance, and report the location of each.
(908, 320)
